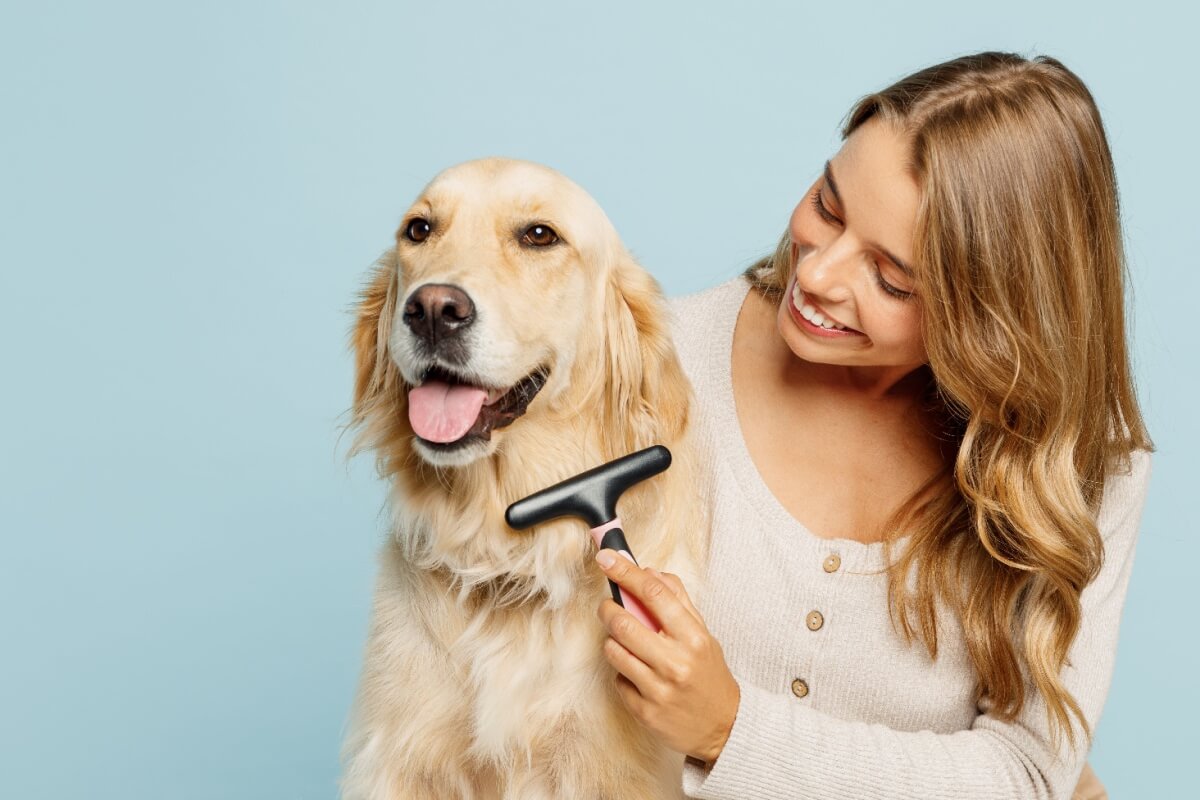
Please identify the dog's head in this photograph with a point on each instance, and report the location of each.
(507, 299)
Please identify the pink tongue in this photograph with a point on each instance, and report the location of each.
(443, 413)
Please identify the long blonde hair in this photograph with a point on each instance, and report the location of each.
(1021, 275)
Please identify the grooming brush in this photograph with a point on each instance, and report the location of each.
(592, 496)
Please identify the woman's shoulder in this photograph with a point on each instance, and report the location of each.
(717, 294)
(1125, 489)
(693, 314)
(699, 320)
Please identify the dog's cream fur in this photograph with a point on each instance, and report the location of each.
(484, 675)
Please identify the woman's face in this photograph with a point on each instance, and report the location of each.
(852, 244)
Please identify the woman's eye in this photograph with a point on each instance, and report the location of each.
(824, 212)
(894, 291)
(418, 230)
(539, 236)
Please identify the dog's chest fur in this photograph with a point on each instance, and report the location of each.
(498, 694)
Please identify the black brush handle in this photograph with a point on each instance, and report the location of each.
(592, 496)
(614, 539)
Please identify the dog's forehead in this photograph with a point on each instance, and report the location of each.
(511, 187)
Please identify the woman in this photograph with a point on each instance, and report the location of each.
(929, 464)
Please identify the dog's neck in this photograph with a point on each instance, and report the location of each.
(495, 593)
(453, 519)
(513, 472)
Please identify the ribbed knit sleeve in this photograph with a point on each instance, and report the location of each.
(845, 708)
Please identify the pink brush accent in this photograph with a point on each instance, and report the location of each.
(598, 532)
(631, 603)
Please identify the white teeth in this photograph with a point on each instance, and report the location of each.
(810, 313)
(492, 396)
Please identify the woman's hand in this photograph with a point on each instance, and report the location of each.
(675, 682)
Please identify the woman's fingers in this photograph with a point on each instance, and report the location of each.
(653, 650)
(677, 587)
(628, 665)
(677, 620)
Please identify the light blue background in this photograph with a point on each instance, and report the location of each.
(192, 195)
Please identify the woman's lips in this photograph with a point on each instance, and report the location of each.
(809, 327)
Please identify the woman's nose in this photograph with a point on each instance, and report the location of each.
(824, 272)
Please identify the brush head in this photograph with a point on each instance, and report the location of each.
(592, 496)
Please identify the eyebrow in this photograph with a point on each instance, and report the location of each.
(838, 196)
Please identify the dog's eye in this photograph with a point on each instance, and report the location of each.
(539, 236)
(418, 230)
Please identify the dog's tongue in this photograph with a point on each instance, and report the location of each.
(443, 413)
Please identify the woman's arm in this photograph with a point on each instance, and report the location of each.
(778, 748)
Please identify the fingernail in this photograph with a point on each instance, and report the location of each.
(606, 558)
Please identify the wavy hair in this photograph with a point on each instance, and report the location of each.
(1021, 274)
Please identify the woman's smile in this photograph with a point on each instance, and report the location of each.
(814, 319)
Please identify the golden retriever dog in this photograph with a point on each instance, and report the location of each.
(506, 342)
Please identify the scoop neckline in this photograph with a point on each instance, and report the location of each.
(861, 555)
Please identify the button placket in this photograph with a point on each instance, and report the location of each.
(815, 620)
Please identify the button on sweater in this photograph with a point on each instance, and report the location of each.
(834, 702)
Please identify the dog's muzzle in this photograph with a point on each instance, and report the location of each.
(439, 314)
(450, 407)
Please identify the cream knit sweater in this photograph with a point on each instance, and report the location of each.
(835, 704)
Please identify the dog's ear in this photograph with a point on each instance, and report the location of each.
(378, 387)
(647, 396)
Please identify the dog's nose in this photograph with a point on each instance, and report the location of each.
(438, 311)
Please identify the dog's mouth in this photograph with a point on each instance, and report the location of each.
(447, 411)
